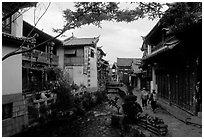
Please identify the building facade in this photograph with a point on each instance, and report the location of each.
(103, 69)
(136, 75)
(14, 110)
(78, 58)
(37, 75)
(172, 66)
(128, 72)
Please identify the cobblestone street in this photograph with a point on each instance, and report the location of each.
(176, 128)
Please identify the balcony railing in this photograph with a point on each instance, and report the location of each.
(161, 44)
(39, 56)
(158, 46)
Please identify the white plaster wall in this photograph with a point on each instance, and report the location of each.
(93, 70)
(17, 25)
(11, 72)
(60, 53)
(76, 75)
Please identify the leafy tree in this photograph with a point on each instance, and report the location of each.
(182, 16)
(178, 18)
(96, 12)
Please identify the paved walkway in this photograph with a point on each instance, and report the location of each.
(176, 128)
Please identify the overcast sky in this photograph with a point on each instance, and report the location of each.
(122, 40)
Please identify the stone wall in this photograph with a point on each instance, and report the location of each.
(19, 119)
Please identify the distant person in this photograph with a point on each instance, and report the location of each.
(144, 98)
(153, 100)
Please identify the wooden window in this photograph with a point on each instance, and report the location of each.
(92, 53)
(7, 111)
(6, 24)
(70, 53)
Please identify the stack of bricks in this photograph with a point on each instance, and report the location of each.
(158, 128)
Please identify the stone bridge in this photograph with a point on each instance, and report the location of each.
(117, 89)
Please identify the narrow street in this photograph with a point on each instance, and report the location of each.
(176, 128)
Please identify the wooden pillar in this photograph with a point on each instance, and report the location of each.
(28, 77)
(197, 85)
(153, 87)
(169, 89)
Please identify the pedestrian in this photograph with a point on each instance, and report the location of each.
(144, 98)
(153, 100)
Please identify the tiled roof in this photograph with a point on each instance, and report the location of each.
(11, 37)
(137, 61)
(80, 41)
(124, 61)
(127, 61)
(27, 27)
(102, 52)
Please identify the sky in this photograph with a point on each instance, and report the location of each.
(118, 40)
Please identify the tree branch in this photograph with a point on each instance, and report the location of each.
(16, 18)
(15, 51)
(62, 31)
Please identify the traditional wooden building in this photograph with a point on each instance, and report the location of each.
(124, 66)
(136, 74)
(36, 70)
(172, 63)
(128, 71)
(14, 110)
(102, 68)
(78, 58)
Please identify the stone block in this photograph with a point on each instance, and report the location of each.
(9, 128)
(18, 103)
(20, 113)
(15, 114)
(4, 124)
(22, 107)
(5, 134)
(15, 108)
(26, 120)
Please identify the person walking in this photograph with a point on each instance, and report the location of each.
(144, 98)
(153, 100)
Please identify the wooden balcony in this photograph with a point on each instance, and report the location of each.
(157, 47)
(40, 57)
(162, 44)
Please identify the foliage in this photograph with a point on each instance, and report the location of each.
(96, 12)
(60, 86)
(65, 100)
(181, 16)
(100, 96)
(114, 103)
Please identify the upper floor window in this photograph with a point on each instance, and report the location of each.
(70, 53)
(6, 24)
(92, 53)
